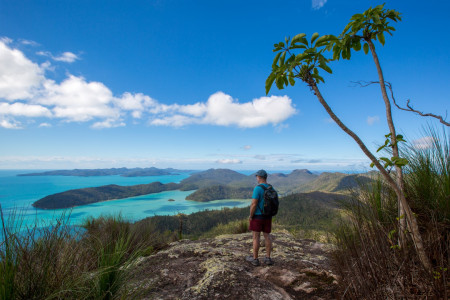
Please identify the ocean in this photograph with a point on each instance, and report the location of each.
(17, 193)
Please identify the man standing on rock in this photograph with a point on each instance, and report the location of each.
(259, 222)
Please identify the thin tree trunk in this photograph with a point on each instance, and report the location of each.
(408, 213)
(395, 152)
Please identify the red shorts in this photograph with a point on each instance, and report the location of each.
(258, 225)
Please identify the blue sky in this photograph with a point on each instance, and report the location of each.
(99, 84)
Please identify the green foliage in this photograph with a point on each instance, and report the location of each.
(218, 192)
(56, 261)
(197, 223)
(371, 230)
(288, 66)
(233, 227)
(427, 180)
(363, 28)
(394, 160)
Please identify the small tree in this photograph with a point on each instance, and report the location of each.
(363, 29)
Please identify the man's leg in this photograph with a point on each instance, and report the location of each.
(268, 243)
(256, 236)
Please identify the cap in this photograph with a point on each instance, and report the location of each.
(261, 173)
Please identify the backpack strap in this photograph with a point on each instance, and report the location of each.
(264, 188)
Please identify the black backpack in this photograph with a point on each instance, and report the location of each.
(271, 202)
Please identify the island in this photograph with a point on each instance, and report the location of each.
(220, 192)
(125, 172)
(91, 195)
(209, 185)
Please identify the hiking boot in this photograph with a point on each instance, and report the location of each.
(253, 261)
(268, 261)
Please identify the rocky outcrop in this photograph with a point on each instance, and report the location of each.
(216, 269)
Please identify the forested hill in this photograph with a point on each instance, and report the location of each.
(85, 196)
(219, 192)
(125, 172)
(218, 177)
(213, 184)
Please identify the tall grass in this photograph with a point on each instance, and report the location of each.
(58, 262)
(233, 227)
(369, 261)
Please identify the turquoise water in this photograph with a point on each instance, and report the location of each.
(17, 193)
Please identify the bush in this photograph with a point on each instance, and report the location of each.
(368, 259)
(58, 261)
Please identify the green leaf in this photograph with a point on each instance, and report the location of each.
(356, 17)
(304, 41)
(400, 138)
(382, 147)
(269, 82)
(400, 162)
(275, 60)
(280, 83)
(314, 37)
(381, 38)
(387, 160)
(357, 45)
(282, 58)
(366, 48)
(372, 165)
(326, 68)
(298, 47)
(297, 38)
(376, 19)
(324, 39)
(291, 81)
(348, 52)
(299, 57)
(347, 27)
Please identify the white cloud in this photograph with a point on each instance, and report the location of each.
(21, 109)
(280, 127)
(68, 57)
(423, 143)
(136, 103)
(25, 92)
(373, 120)
(29, 42)
(45, 125)
(318, 4)
(108, 123)
(77, 100)
(5, 40)
(8, 124)
(247, 147)
(229, 161)
(221, 109)
(19, 77)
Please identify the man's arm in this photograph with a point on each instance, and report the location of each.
(253, 208)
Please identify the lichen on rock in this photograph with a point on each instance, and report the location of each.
(216, 269)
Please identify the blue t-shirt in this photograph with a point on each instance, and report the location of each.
(258, 193)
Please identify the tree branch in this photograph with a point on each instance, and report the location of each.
(409, 108)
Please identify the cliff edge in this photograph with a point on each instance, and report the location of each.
(216, 269)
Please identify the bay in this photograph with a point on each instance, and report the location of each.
(17, 193)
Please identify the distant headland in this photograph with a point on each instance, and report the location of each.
(209, 185)
(125, 172)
